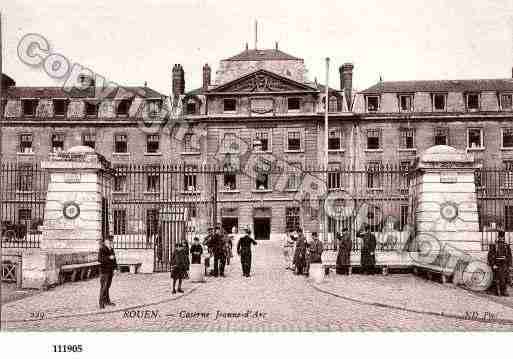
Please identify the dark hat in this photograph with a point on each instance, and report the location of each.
(501, 234)
(345, 229)
(315, 234)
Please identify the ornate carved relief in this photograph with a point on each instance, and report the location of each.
(13, 108)
(261, 83)
(76, 109)
(44, 108)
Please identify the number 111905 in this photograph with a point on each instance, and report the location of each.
(68, 348)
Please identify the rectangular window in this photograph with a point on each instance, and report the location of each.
(152, 179)
(120, 179)
(60, 107)
(334, 140)
(292, 218)
(230, 143)
(508, 218)
(29, 107)
(152, 221)
(293, 104)
(152, 143)
(404, 180)
(508, 174)
(229, 105)
(407, 138)
(263, 174)
(373, 139)
(119, 221)
(334, 176)
(154, 107)
(374, 174)
(507, 102)
(89, 139)
(25, 217)
(472, 101)
(26, 143)
(372, 103)
(404, 216)
(191, 108)
(230, 181)
(439, 101)
(25, 177)
(441, 136)
(294, 141)
(120, 143)
(406, 103)
(475, 138)
(333, 104)
(91, 108)
(123, 107)
(507, 137)
(188, 145)
(190, 178)
(57, 142)
(294, 176)
(263, 137)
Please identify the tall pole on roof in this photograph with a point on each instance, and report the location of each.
(326, 103)
(256, 33)
(1, 87)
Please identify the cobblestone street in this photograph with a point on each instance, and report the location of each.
(273, 299)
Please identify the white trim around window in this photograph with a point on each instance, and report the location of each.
(475, 145)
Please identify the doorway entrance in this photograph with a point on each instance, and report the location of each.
(228, 223)
(262, 228)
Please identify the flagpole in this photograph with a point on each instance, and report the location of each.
(1, 88)
(326, 105)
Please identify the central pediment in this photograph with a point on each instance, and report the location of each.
(262, 81)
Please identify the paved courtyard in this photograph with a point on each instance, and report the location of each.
(273, 299)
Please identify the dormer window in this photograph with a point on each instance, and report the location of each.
(229, 105)
(293, 104)
(154, 107)
(29, 107)
(123, 107)
(91, 109)
(507, 102)
(472, 101)
(439, 101)
(406, 103)
(60, 107)
(191, 108)
(372, 103)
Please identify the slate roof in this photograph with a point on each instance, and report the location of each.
(59, 92)
(499, 85)
(257, 55)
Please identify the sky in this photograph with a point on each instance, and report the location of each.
(137, 42)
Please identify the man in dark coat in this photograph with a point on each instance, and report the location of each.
(208, 241)
(244, 251)
(300, 253)
(219, 249)
(179, 264)
(196, 251)
(344, 252)
(499, 259)
(107, 259)
(368, 261)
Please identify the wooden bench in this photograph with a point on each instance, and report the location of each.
(79, 271)
(133, 267)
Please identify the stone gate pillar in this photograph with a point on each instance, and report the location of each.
(74, 217)
(446, 214)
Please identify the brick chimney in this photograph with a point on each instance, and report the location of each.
(346, 82)
(207, 72)
(178, 80)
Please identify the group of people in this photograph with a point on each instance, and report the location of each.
(299, 252)
(303, 252)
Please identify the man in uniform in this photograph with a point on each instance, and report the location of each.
(499, 259)
(244, 251)
(107, 259)
(219, 249)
